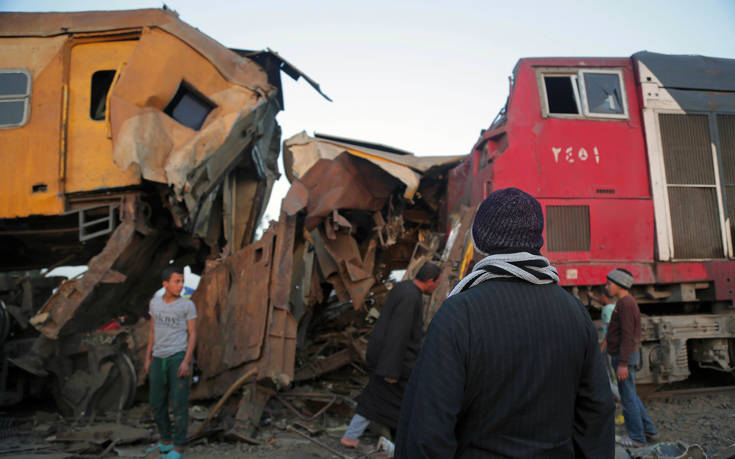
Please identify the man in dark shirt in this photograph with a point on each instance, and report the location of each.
(510, 366)
(623, 340)
(391, 353)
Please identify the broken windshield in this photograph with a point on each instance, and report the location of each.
(603, 93)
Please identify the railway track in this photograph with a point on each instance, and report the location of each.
(646, 392)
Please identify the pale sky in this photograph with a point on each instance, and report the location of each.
(427, 76)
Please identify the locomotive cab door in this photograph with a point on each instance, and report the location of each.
(93, 65)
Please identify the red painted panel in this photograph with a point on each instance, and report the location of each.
(557, 157)
(621, 230)
(596, 273)
(723, 273)
(670, 273)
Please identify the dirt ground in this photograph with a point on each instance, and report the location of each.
(707, 420)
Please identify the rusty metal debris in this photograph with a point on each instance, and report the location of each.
(156, 162)
(291, 306)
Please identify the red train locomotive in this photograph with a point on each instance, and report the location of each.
(633, 162)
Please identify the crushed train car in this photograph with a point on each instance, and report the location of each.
(297, 298)
(130, 139)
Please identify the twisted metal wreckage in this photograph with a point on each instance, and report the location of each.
(355, 212)
(184, 159)
(159, 188)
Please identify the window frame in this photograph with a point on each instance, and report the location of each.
(576, 74)
(107, 93)
(196, 93)
(623, 95)
(25, 98)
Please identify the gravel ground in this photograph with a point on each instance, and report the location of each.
(707, 420)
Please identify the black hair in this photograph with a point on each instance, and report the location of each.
(171, 269)
(428, 272)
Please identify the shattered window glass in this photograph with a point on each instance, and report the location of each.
(484, 155)
(15, 89)
(101, 83)
(603, 93)
(560, 94)
(189, 107)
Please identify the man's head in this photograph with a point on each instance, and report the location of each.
(619, 281)
(508, 220)
(173, 280)
(427, 278)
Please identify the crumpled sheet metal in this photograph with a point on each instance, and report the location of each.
(62, 305)
(117, 281)
(301, 152)
(143, 134)
(342, 265)
(244, 317)
(194, 163)
(346, 182)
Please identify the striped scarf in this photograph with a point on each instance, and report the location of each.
(523, 265)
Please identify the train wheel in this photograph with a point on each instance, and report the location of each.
(110, 388)
(118, 390)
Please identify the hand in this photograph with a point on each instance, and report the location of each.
(622, 372)
(391, 380)
(146, 367)
(184, 369)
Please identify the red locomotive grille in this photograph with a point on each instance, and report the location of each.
(568, 228)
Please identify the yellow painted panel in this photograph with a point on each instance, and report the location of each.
(90, 164)
(29, 154)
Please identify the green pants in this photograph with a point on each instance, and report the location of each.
(164, 383)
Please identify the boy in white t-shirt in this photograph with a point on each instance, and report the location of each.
(169, 358)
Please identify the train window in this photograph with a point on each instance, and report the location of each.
(189, 107)
(562, 94)
(603, 93)
(15, 94)
(101, 83)
(484, 155)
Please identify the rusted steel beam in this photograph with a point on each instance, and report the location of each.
(322, 366)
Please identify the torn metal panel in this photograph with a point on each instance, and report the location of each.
(301, 153)
(245, 322)
(59, 309)
(274, 64)
(346, 182)
(355, 270)
(453, 262)
(195, 162)
(232, 303)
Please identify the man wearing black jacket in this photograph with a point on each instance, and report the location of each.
(510, 366)
(392, 350)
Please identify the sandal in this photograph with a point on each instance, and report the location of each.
(161, 447)
(628, 442)
(173, 454)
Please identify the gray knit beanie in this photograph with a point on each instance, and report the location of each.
(621, 277)
(508, 220)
